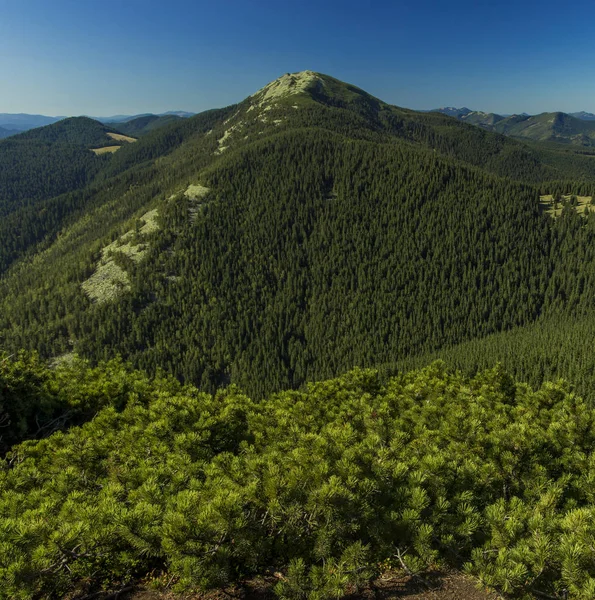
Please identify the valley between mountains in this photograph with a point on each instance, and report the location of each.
(311, 337)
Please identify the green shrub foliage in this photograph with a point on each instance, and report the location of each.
(322, 485)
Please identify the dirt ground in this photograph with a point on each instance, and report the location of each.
(436, 586)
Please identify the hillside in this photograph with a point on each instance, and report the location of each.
(39, 170)
(127, 118)
(45, 162)
(558, 127)
(310, 228)
(79, 131)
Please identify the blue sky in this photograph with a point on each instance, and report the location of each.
(68, 57)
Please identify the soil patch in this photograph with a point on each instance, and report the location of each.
(437, 586)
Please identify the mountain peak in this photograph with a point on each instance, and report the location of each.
(289, 85)
(314, 86)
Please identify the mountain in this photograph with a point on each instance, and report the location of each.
(177, 113)
(485, 120)
(37, 168)
(79, 131)
(46, 161)
(306, 229)
(128, 118)
(551, 127)
(23, 121)
(585, 116)
(120, 118)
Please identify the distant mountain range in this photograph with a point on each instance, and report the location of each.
(141, 125)
(13, 123)
(452, 111)
(22, 121)
(575, 128)
(125, 118)
(585, 116)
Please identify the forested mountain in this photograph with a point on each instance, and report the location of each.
(558, 127)
(127, 118)
(38, 169)
(251, 249)
(145, 124)
(576, 128)
(19, 122)
(42, 163)
(308, 229)
(79, 131)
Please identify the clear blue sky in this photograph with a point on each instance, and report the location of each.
(105, 57)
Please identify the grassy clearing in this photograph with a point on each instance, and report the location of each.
(121, 138)
(195, 193)
(584, 204)
(222, 146)
(63, 359)
(110, 279)
(105, 149)
(150, 222)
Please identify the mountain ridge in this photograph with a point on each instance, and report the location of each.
(453, 111)
(573, 128)
(19, 122)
